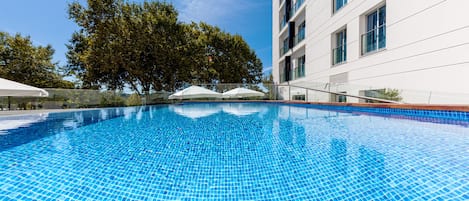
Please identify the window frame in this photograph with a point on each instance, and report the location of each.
(334, 5)
(301, 29)
(374, 31)
(301, 63)
(339, 40)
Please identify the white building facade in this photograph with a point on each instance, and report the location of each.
(420, 47)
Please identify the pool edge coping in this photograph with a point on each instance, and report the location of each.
(409, 106)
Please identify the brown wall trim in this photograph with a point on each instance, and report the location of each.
(458, 108)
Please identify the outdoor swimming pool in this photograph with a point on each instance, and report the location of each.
(232, 151)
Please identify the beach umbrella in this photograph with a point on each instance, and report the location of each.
(11, 88)
(242, 93)
(195, 92)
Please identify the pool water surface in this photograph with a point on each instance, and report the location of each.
(230, 151)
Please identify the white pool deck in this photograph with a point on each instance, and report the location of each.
(26, 112)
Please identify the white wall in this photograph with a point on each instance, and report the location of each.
(427, 46)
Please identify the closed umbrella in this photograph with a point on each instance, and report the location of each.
(195, 92)
(242, 93)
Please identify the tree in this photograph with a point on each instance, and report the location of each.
(224, 58)
(133, 100)
(391, 94)
(144, 46)
(23, 62)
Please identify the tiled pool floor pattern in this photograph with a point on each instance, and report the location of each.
(279, 153)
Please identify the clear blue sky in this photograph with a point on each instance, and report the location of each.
(46, 21)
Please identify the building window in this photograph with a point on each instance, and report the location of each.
(299, 97)
(374, 38)
(283, 22)
(338, 4)
(300, 69)
(339, 53)
(285, 48)
(339, 97)
(301, 32)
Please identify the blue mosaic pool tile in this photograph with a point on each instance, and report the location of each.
(436, 116)
(265, 152)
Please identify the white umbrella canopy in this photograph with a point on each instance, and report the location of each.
(242, 93)
(11, 88)
(195, 92)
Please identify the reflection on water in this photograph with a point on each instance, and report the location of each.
(14, 122)
(339, 156)
(243, 109)
(292, 134)
(195, 111)
(129, 111)
(18, 130)
(103, 113)
(284, 153)
(371, 167)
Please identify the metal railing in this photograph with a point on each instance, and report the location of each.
(284, 50)
(333, 93)
(373, 40)
(328, 92)
(299, 71)
(299, 37)
(339, 54)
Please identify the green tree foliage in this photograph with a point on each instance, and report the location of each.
(144, 46)
(133, 100)
(391, 94)
(111, 99)
(225, 58)
(387, 94)
(23, 62)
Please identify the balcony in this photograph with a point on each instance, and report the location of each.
(373, 40)
(339, 55)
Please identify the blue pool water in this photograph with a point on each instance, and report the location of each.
(231, 151)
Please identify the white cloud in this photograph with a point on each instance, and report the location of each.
(11, 32)
(267, 69)
(213, 11)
